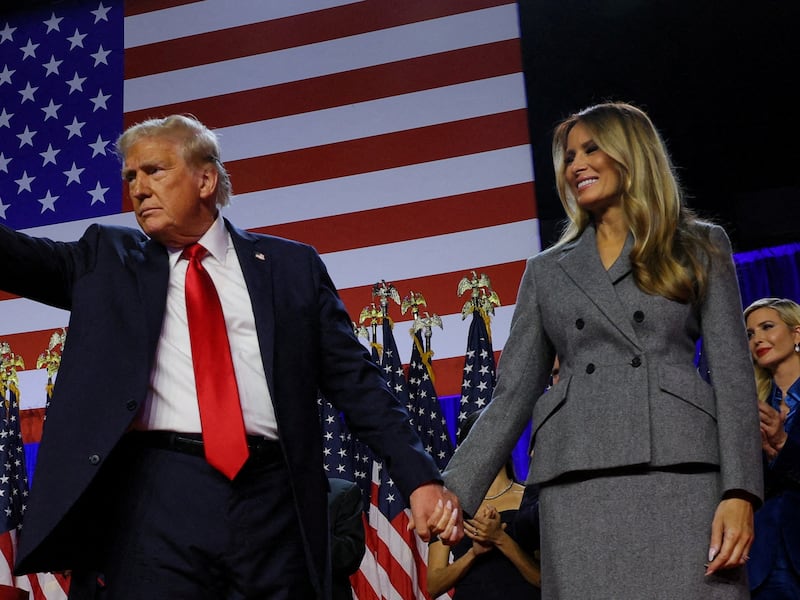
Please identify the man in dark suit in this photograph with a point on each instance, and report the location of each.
(345, 510)
(124, 496)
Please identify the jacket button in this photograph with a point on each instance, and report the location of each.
(638, 316)
(636, 362)
(131, 405)
(94, 459)
(590, 368)
(579, 323)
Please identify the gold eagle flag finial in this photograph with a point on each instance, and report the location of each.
(360, 330)
(10, 364)
(384, 292)
(372, 316)
(482, 298)
(413, 301)
(50, 358)
(426, 324)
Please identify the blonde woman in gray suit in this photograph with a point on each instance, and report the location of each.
(649, 475)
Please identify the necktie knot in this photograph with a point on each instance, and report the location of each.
(194, 251)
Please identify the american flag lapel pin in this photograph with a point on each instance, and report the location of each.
(260, 256)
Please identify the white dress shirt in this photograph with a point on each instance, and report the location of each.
(171, 403)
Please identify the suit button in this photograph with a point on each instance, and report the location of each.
(94, 459)
(638, 316)
(131, 405)
(590, 368)
(636, 362)
(579, 323)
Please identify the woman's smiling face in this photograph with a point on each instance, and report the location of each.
(592, 175)
(771, 340)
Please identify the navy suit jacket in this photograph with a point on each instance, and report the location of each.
(114, 282)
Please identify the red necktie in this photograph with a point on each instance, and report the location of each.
(224, 437)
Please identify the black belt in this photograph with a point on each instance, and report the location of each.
(262, 450)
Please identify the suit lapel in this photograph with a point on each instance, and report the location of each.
(256, 264)
(150, 265)
(581, 263)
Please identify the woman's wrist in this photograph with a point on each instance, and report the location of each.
(500, 538)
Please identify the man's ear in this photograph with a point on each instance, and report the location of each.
(208, 181)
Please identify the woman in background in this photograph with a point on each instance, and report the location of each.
(648, 474)
(773, 328)
(494, 559)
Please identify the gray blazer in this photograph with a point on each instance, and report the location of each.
(629, 393)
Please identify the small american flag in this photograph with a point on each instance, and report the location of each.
(338, 450)
(399, 556)
(13, 477)
(424, 405)
(479, 369)
(13, 495)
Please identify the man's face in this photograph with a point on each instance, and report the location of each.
(173, 201)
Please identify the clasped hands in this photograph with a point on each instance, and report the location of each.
(484, 529)
(436, 511)
(773, 434)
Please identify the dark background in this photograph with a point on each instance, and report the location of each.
(718, 79)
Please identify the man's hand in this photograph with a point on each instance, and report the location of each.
(435, 511)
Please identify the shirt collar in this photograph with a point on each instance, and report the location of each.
(215, 240)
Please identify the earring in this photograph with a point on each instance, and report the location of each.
(797, 348)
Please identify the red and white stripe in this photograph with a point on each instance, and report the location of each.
(40, 586)
(395, 563)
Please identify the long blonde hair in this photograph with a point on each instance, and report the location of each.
(668, 247)
(789, 312)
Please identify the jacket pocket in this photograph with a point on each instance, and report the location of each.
(686, 384)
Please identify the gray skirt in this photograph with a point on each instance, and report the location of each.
(641, 536)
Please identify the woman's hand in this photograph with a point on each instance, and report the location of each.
(732, 534)
(485, 529)
(773, 434)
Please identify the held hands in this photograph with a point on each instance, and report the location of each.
(773, 435)
(731, 535)
(435, 511)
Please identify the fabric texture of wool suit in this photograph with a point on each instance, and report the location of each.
(629, 400)
(114, 282)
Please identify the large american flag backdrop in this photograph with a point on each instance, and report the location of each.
(392, 136)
